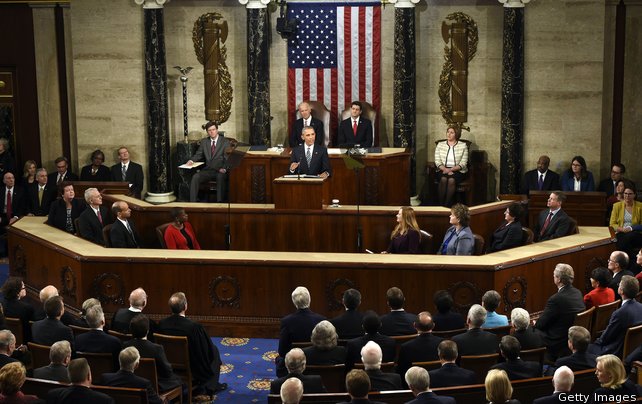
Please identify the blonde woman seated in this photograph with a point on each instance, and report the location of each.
(324, 349)
(12, 377)
(498, 388)
(458, 239)
(626, 221)
(405, 238)
(614, 381)
(180, 235)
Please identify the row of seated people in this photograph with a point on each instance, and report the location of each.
(93, 337)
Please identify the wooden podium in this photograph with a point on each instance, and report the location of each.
(303, 193)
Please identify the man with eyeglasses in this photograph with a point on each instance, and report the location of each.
(62, 173)
(608, 185)
(618, 263)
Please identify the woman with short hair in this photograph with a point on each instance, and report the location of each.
(458, 239)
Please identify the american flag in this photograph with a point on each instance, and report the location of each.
(335, 56)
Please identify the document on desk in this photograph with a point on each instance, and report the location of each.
(300, 176)
(194, 165)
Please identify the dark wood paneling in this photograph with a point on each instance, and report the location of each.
(586, 207)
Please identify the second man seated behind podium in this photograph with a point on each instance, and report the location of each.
(310, 158)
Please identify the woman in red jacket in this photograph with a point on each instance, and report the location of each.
(180, 235)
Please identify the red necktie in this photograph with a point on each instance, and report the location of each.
(546, 222)
(354, 128)
(213, 148)
(9, 209)
(100, 217)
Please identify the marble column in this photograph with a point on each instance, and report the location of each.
(512, 115)
(404, 95)
(258, 71)
(159, 189)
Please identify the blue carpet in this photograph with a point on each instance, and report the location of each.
(248, 367)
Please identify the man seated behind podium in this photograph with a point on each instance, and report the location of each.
(212, 150)
(309, 158)
(306, 120)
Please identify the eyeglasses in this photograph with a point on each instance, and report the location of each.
(576, 165)
(629, 193)
(616, 172)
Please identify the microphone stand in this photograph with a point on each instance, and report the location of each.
(355, 165)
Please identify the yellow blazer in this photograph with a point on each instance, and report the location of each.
(617, 215)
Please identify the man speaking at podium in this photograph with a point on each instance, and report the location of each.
(309, 158)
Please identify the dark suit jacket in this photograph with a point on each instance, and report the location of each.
(58, 213)
(518, 369)
(22, 310)
(204, 153)
(319, 163)
(52, 178)
(353, 348)
(4, 359)
(506, 236)
(612, 339)
(348, 324)
(297, 128)
(50, 330)
(123, 378)
(121, 238)
(421, 349)
(531, 181)
(576, 362)
(19, 203)
(57, 373)
(167, 379)
(568, 182)
(380, 381)
(297, 327)
(398, 323)
(449, 375)
(557, 227)
(476, 342)
(89, 227)
(77, 394)
(552, 399)
(448, 321)
(615, 281)
(361, 401)
(311, 383)
(102, 175)
(48, 196)
(364, 133)
(97, 341)
(529, 338)
(67, 318)
(316, 356)
(429, 397)
(134, 176)
(558, 315)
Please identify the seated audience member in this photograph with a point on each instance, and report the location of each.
(509, 233)
(65, 210)
(458, 239)
(60, 356)
(13, 201)
(211, 149)
(12, 377)
(578, 342)
(123, 233)
(613, 381)
(291, 391)
(129, 359)
(348, 323)
(613, 199)
(355, 130)
(204, 357)
(527, 336)
(552, 222)
(180, 235)
(137, 302)
(419, 382)
(560, 310)
(39, 312)
(13, 290)
(626, 221)
(295, 363)
(541, 179)
(577, 177)
(358, 386)
(476, 341)
(405, 237)
(618, 263)
(128, 171)
(629, 314)
(92, 220)
(491, 301)
(7, 347)
(309, 158)
(515, 367)
(79, 391)
(563, 380)
(7, 163)
(51, 329)
(296, 327)
(421, 349)
(449, 374)
(451, 161)
(306, 120)
(379, 381)
(609, 185)
(371, 325)
(40, 194)
(83, 310)
(445, 319)
(398, 321)
(324, 349)
(62, 173)
(601, 293)
(498, 387)
(28, 173)
(96, 171)
(139, 327)
(97, 340)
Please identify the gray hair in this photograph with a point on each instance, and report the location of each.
(95, 316)
(129, 358)
(563, 379)
(324, 336)
(301, 297)
(417, 378)
(476, 315)
(59, 352)
(520, 318)
(371, 355)
(630, 286)
(6, 338)
(291, 391)
(565, 273)
(88, 193)
(295, 361)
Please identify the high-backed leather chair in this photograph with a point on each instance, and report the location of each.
(368, 112)
(320, 112)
